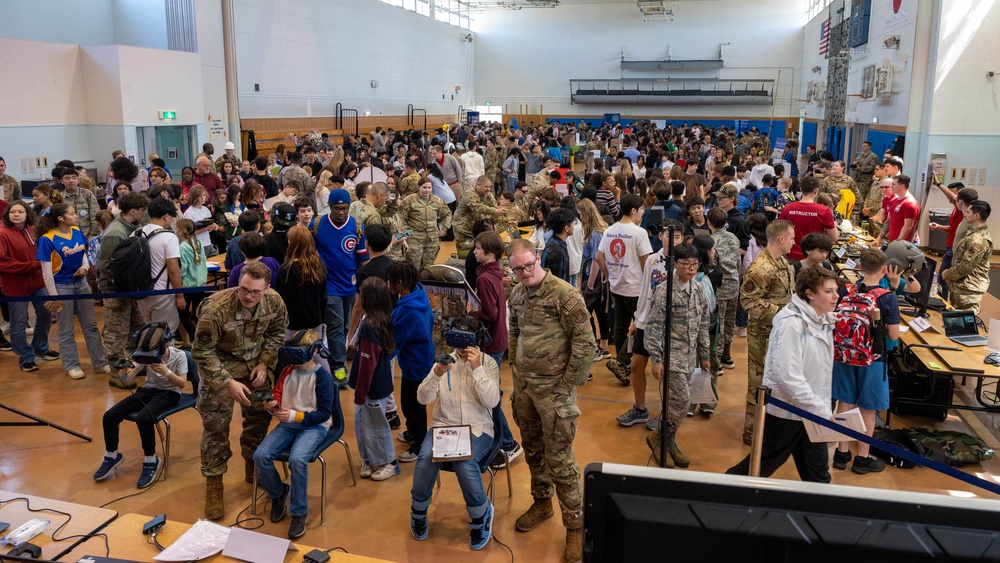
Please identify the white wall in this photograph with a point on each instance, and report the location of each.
(142, 100)
(140, 23)
(208, 16)
(308, 55)
(529, 56)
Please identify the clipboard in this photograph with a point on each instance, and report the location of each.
(451, 443)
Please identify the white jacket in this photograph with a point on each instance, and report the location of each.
(799, 363)
(465, 396)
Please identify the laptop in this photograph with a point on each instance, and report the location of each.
(960, 326)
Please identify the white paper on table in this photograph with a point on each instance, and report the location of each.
(204, 539)
(256, 548)
(920, 324)
(850, 419)
(993, 343)
(903, 329)
(701, 388)
(850, 264)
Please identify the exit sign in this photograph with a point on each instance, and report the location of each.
(488, 103)
(168, 115)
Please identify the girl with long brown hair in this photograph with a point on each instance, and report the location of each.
(301, 283)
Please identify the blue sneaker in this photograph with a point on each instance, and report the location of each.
(150, 472)
(481, 529)
(418, 525)
(107, 466)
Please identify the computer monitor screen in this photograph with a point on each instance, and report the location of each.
(634, 513)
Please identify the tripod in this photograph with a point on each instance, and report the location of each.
(36, 421)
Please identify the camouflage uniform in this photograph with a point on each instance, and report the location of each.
(222, 160)
(121, 316)
(727, 260)
(409, 185)
(11, 188)
(392, 219)
(833, 184)
(863, 173)
(85, 204)
(551, 350)
(494, 159)
(295, 172)
(689, 342)
(538, 183)
(424, 217)
(229, 342)
(471, 208)
(969, 275)
(767, 287)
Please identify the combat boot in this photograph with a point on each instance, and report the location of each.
(653, 441)
(540, 511)
(574, 546)
(215, 508)
(680, 460)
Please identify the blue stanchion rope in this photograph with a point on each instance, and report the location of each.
(890, 448)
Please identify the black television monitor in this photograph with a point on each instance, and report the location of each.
(923, 299)
(634, 513)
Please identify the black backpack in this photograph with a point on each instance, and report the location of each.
(131, 265)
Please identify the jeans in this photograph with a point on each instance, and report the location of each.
(19, 324)
(470, 480)
(303, 441)
(572, 280)
(338, 319)
(372, 431)
(946, 260)
(149, 403)
(84, 309)
(507, 442)
(742, 318)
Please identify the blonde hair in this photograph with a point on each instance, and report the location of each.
(185, 234)
(591, 219)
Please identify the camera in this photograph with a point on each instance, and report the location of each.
(445, 359)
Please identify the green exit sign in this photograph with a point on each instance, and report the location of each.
(488, 103)
(168, 115)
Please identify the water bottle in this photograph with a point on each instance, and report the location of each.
(935, 286)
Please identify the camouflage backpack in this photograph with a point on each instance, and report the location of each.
(952, 448)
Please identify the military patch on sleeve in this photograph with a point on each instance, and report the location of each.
(580, 316)
(204, 337)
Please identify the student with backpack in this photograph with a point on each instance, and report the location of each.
(158, 249)
(867, 319)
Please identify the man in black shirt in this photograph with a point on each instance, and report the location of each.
(260, 175)
(555, 257)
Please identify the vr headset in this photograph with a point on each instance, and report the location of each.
(464, 332)
(151, 343)
(296, 353)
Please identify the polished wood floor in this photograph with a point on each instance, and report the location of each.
(373, 518)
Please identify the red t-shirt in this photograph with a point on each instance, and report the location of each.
(211, 182)
(956, 217)
(807, 218)
(901, 209)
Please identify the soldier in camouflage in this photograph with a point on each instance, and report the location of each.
(969, 275)
(838, 181)
(239, 332)
(863, 167)
(494, 161)
(767, 287)
(727, 260)
(551, 350)
(690, 347)
(411, 180)
(428, 217)
(475, 205)
(10, 189)
(294, 171)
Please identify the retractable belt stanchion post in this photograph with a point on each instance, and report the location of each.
(667, 324)
(757, 439)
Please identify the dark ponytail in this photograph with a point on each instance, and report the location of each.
(49, 221)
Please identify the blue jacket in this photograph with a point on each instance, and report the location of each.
(412, 325)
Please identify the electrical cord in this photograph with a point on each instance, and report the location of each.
(69, 517)
(505, 546)
(240, 522)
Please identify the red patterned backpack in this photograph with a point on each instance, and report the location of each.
(859, 339)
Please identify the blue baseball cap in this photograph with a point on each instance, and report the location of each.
(339, 196)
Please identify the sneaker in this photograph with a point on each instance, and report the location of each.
(103, 369)
(841, 459)
(870, 464)
(513, 453)
(590, 376)
(30, 331)
(728, 363)
(49, 356)
(5, 346)
(393, 418)
(598, 355)
(150, 472)
(741, 331)
(366, 470)
(619, 371)
(707, 412)
(5, 327)
(719, 373)
(386, 471)
(297, 528)
(498, 461)
(481, 529)
(280, 504)
(29, 366)
(633, 416)
(418, 525)
(119, 384)
(76, 373)
(340, 377)
(404, 437)
(605, 353)
(690, 411)
(407, 456)
(652, 423)
(107, 466)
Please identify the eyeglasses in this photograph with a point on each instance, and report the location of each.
(252, 293)
(529, 267)
(688, 263)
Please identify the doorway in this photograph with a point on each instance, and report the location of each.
(174, 145)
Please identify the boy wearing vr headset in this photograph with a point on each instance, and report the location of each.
(302, 402)
(166, 375)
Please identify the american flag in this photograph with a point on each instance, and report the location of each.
(824, 37)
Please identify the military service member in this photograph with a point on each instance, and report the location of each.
(475, 204)
(228, 157)
(969, 276)
(428, 217)
(239, 332)
(551, 349)
(294, 171)
(767, 287)
(863, 167)
(689, 347)
(411, 179)
(494, 160)
(838, 181)
(11, 187)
